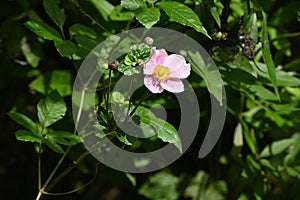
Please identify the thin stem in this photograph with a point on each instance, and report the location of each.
(75, 2)
(66, 171)
(107, 98)
(80, 108)
(288, 35)
(40, 166)
(78, 188)
(41, 191)
(137, 105)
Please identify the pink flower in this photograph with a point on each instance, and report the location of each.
(163, 72)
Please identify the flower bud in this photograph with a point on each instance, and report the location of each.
(148, 41)
(114, 65)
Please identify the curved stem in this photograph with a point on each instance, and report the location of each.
(78, 188)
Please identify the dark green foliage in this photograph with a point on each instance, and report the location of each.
(255, 47)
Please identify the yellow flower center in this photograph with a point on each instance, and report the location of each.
(161, 72)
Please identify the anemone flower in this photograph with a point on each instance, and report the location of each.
(163, 72)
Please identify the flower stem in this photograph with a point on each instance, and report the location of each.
(107, 98)
(66, 171)
(41, 191)
(145, 95)
(40, 166)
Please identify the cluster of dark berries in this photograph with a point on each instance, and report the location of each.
(247, 43)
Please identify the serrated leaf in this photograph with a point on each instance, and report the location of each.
(147, 16)
(79, 29)
(211, 76)
(51, 109)
(119, 15)
(56, 14)
(60, 80)
(104, 7)
(24, 121)
(183, 14)
(54, 146)
(64, 137)
(65, 47)
(267, 55)
(132, 4)
(43, 30)
(164, 130)
(27, 136)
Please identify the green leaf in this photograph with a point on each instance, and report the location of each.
(59, 80)
(24, 121)
(104, 7)
(276, 147)
(119, 15)
(133, 4)
(161, 186)
(267, 55)
(63, 137)
(56, 14)
(27, 136)
(250, 139)
(31, 57)
(54, 146)
(183, 14)
(43, 30)
(215, 14)
(250, 25)
(164, 130)
(211, 77)
(79, 29)
(51, 109)
(123, 138)
(65, 47)
(294, 154)
(147, 16)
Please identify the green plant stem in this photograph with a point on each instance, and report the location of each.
(40, 166)
(78, 188)
(41, 191)
(287, 35)
(145, 95)
(107, 98)
(68, 170)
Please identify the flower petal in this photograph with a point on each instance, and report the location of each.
(173, 85)
(161, 56)
(151, 63)
(178, 66)
(152, 84)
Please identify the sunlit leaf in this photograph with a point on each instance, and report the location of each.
(132, 4)
(43, 30)
(147, 16)
(267, 55)
(51, 109)
(183, 14)
(56, 14)
(27, 136)
(24, 121)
